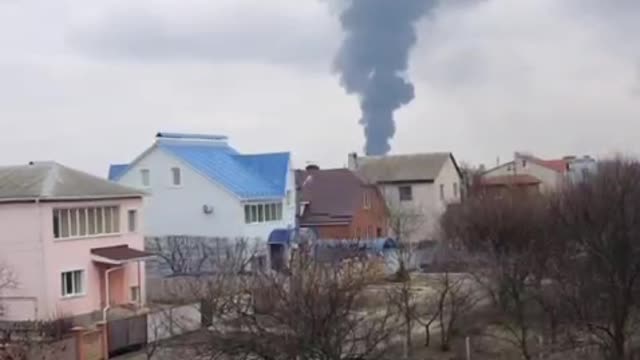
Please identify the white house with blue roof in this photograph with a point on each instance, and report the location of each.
(198, 185)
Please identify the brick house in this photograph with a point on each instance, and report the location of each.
(337, 204)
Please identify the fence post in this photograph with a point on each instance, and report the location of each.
(467, 342)
(103, 328)
(78, 333)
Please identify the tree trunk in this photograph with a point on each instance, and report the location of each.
(427, 336)
(408, 339)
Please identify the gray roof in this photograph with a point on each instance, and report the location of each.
(52, 181)
(402, 168)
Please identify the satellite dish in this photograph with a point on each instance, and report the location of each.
(207, 209)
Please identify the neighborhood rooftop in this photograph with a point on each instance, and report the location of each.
(401, 168)
(332, 194)
(248, 176)
(52, 181)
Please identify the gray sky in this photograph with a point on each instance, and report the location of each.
(89, 82)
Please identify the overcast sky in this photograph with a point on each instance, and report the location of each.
(89, 82)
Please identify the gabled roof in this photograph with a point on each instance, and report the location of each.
(403, 168)
(558, 165)
(248, 176)
(333, 195)
(52, 181)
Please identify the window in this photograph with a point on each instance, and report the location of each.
(366, 201)
(379, 232)
(524, 163)
(145, 177)
(135, 293)
(72, 283)
(258, 213)
(455, 190)
(247, 214)
(442, 192)
(56, 224)
(176, 176)
(81, 222)
(131, 216)
(288, 197)
(406, 193)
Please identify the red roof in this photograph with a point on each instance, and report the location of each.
(119, 254)
(557, 165)
(506, 180)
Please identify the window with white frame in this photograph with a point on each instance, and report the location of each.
(145, 177)
(176, 176)
(455, 189)
(132, 217)
(442, 192)
(72, 283)
(405, 192)
(82, 222)
(366, 200)
(264, 212)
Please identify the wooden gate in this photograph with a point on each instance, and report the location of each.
(125, 335)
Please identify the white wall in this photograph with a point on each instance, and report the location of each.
(426, 200)
(173, 210)
(550, 179)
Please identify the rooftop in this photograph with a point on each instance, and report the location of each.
(52, 181)
(248, 176)
(399, 168)
(332, 195)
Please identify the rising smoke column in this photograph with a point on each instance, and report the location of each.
(373, 60)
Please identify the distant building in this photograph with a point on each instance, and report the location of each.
(423, 184)
(73, 242)
(580, 168)
(531, 174)
(337, 204)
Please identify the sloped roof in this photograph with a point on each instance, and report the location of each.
(398, 168)
(52, 181)
(332, 194)
(247, 176)
(117, 170)
(120, 254)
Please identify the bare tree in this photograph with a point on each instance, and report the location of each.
(7, 281)
(318, 311)
(507, 238)
(598, 273)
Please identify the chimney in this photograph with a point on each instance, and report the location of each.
(353, 161)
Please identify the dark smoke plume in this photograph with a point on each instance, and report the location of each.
(373, 60)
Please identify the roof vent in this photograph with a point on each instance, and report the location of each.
(312, 167)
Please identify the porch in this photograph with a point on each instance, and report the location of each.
(122, 280)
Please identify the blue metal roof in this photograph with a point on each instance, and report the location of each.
(247, 176)
(281, 236)
(117, 170)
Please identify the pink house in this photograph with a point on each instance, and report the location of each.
(72, 242)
